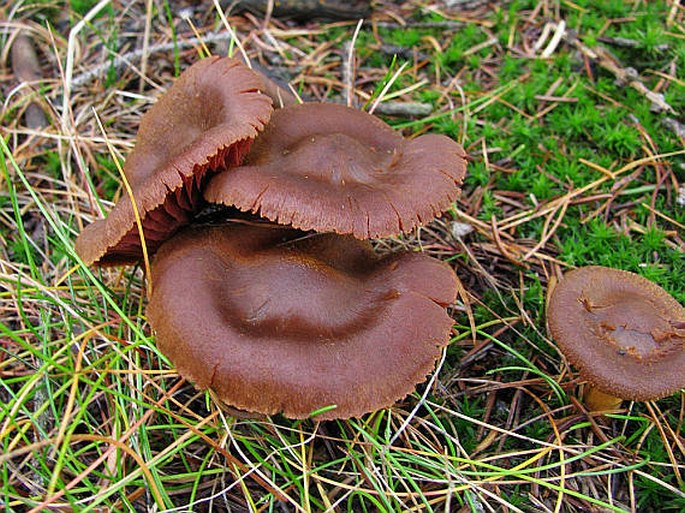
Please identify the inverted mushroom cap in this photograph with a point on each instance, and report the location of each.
(204, 122)
(624, 333)
(275, 321)
(331, 168)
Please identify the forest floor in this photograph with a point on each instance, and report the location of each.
(572, 117)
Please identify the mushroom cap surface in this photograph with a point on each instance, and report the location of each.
(625, 334)
(331, 168)
(204, 122)
(273, 320)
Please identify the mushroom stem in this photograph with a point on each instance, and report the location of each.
(596, 400)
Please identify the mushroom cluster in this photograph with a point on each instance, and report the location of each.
(286, 308)
(625, 334)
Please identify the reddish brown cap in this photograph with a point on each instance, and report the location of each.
(204, 122)
(274, 320)
(625, 333)
(327, 167)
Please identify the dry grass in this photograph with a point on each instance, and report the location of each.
(95, 419)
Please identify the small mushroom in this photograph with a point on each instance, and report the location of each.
(275, 320)
(331, 168)
(625, 334)
(205, 122)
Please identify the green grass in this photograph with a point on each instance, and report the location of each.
(94, 417)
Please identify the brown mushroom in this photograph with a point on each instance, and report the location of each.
(624, 333)
(274, 320)
(331, 168)
(206, 121)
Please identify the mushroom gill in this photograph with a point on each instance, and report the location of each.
(205, 122)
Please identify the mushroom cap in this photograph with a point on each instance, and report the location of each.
(624, 333)
(204, 122)
(331, 168)
(274, 320)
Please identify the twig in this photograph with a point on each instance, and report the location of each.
(404, 109)
(308, 9)
(624, 42)
(626, 76)
(464, 4)
(559, 31)
(477, 48)
(346, 72)
(421, 24)
(675, 126)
